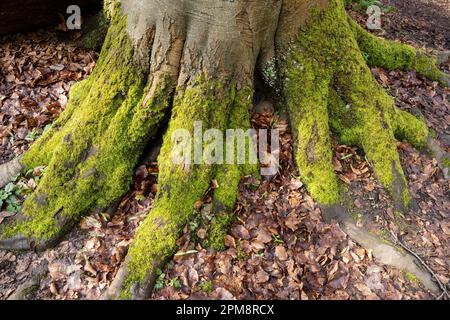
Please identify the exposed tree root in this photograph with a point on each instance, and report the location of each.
(394, 55)
(442, 157)
(328, 85)
(181, 186)
(382, 251)
(92, 149)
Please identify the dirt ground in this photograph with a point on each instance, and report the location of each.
(278, 246)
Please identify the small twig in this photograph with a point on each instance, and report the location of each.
(424, 264)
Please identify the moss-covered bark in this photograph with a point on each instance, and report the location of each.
(150, 68)
(228, 176)
(210, 102)
(392, 55)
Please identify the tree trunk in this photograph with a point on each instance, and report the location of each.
(196, 61)
(16, 16)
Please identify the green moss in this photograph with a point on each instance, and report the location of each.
(229, 175)
(306, 92)
(381, 52)
(93, 148)
(395, 55)
(446, 162)
(328, 85)
(308, 69)
(203, 100)
(218, 231)
(225, 196)
(411, 277)
(109, 8)
(427, 67)
(410, 128)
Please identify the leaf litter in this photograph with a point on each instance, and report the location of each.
(278, 246)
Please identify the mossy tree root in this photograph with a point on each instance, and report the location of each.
(392, 55)
(182, 185)
(94, 146)
(328, 86)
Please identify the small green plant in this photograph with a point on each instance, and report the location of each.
(37, 132)
(446, 162)
(206, 286)
(277, 239)
(174, 282)
(8, 198)
(32, 135)
(14, 193)
(161, 281)
(260, 254)
(412, 278)
(140, 197)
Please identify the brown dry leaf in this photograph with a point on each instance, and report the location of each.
(257, 245)
(292, 221)
(295, 184)
(263, 235)
(89, 268)
(240, 232)
(214, 184)
(280, 253)
(262, 276)
(54, 289)
(230, 241)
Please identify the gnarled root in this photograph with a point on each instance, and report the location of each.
(383, 251)
(92, 149)
(328, 86)
(392, 55)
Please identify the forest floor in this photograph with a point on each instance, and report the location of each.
(278, 246)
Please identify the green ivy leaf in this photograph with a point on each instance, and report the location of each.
(9, 187)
